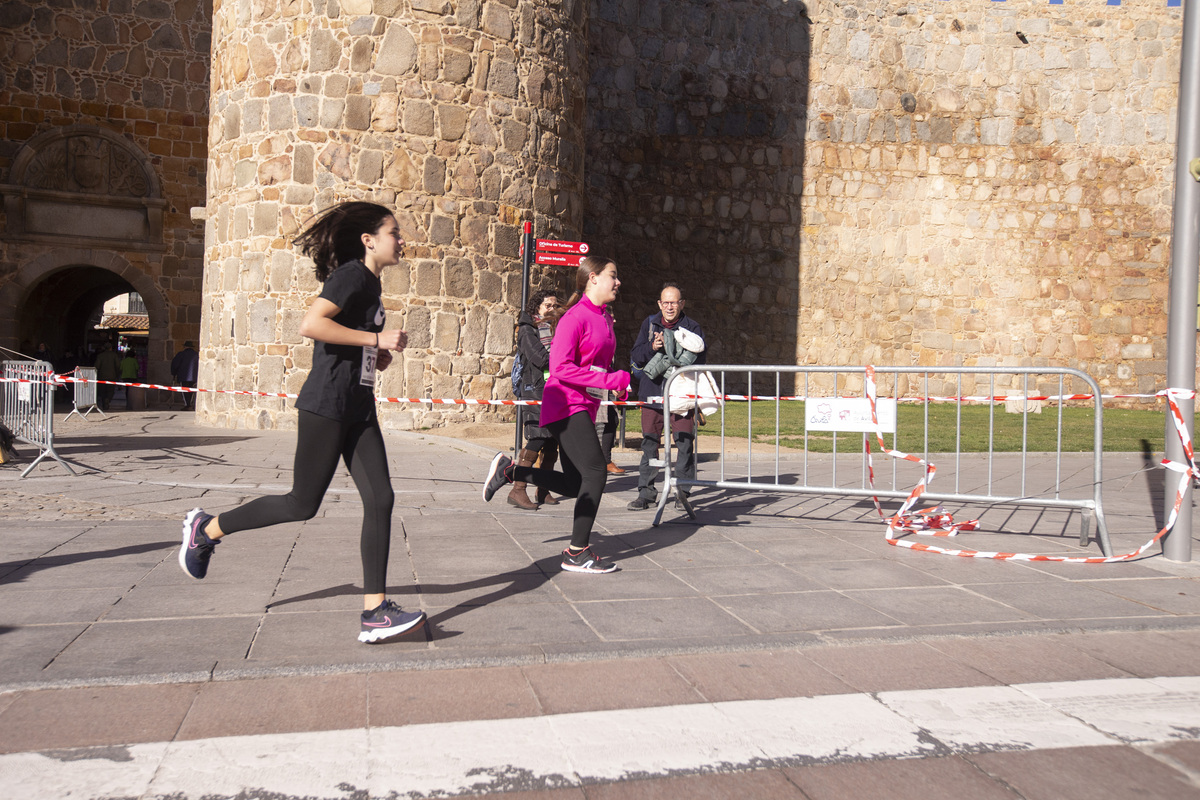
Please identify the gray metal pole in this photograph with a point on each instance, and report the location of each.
(1185, 268)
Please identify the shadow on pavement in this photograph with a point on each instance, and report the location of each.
(17, 571)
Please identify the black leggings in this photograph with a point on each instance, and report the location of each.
(583, 472)
(319, 444)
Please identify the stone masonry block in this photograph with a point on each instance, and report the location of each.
(397, 51)
(503, 78)
(262, 321)
(324, 50)
(441, 230)
(358, 112)
(475, 333)
(434, 176)
(370, 166)
(456, 67)
(459, 280)
(416, 325)
(418, 118)
(429, 279)
(452, 120)
(501, 329)
(446, 328)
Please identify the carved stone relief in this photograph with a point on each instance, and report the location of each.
(100, 182)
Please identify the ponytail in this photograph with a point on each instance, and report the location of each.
(335, 236)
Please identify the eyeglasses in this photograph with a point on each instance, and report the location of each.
(670, 303)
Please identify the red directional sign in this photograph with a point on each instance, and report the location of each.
(564, 259)
(551, 246)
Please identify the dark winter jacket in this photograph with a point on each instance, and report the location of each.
(643, 351)
(535, 357)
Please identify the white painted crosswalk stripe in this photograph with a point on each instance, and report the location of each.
(570, 749)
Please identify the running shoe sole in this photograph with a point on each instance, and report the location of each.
(380, 634)
(487, 497)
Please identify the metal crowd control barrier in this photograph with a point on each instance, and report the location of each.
(977, 477)
(28, 409)
(84, 397)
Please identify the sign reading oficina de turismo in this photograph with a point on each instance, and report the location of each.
(568, 254)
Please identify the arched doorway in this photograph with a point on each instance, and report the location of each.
(60, 297)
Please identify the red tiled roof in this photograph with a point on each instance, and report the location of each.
(125, 322)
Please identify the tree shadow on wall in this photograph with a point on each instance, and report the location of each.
(695, 166)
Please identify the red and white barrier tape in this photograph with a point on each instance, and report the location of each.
(64, 379)
(934, 521)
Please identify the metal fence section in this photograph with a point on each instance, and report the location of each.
(780, 403)
(28, 409)
(84, 390)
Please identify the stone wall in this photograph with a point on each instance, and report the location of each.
(832, 182)
(464, 116)
(695, 164)
(103, 111)
(990, 184)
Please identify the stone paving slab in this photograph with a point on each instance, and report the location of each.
(88, 567)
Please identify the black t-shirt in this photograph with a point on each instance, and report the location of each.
(334, 388)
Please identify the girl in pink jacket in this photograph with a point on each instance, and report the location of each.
(583, 348)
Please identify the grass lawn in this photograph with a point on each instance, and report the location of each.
(1125, 430)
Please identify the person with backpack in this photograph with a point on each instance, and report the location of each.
(580, 355)
(531, 367)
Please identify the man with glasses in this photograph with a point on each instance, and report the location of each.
(650, 342)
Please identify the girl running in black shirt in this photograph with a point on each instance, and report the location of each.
(350, 244)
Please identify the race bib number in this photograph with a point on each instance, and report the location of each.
(599, 394)
(366, 375)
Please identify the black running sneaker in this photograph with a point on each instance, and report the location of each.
(388, 620)
(497, 476)
(639, 504)
(197, 548)
(586, 560)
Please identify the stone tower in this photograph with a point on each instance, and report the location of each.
(465, 117)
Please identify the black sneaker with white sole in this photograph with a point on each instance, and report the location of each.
(387, 620)
(586, 560)
(197, 548)
(497, 477)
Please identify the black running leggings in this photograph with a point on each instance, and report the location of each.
(319, 444)
(583, 473)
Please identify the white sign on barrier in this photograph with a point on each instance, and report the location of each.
(25, 392)
(850, 414)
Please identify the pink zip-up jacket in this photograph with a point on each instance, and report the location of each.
(584, 338)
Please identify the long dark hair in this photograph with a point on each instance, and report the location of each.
(335, 235)
(535, 302)
(589, 266)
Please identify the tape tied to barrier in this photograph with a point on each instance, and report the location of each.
(67, 378)
(935, 521)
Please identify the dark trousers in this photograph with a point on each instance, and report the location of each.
(683, 428)
(320, 443)
(583, 472)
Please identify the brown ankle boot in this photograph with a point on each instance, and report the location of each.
(549, 459)
(517, 496)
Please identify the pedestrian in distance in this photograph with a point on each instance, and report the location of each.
(184, 368)
(580, 354)
(108, 370)
(350, 246)
(535, 332)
